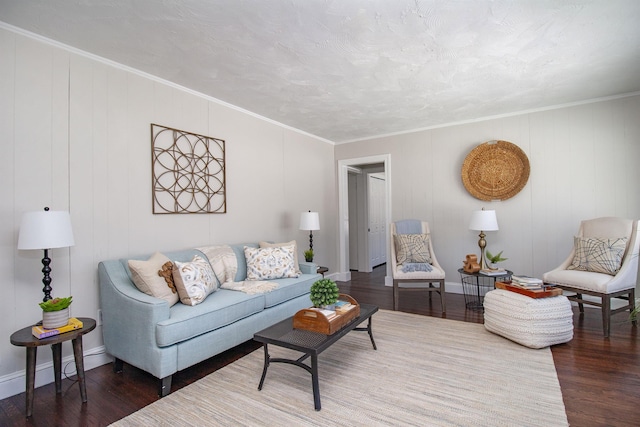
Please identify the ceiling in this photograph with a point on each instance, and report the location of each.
(345, 70)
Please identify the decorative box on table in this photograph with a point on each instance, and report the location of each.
(313, 319)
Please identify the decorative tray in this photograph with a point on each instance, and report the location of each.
(313, 319)
(533, 293)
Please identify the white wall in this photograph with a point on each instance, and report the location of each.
(75, 135)
(584, 164)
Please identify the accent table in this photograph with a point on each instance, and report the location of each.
(310, 343)
(476, 285)
(24, 338)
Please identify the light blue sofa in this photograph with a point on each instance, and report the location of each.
(145, 332)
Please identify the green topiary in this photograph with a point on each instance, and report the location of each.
(324, 292)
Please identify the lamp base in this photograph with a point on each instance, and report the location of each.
(46, 270)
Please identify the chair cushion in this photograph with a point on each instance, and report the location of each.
(412, 248)
(598, 255)
(587, 280)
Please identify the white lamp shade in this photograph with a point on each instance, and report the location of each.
(483, 221)
(309, 221)
(45, 230)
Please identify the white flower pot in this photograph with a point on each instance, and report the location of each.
(55, 319)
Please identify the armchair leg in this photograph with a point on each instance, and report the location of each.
(395, 295)
(442, 297)
(606, 315)
(580, 304)
(117, 365)
(632, 303)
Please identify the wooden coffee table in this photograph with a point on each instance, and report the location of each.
(311, 344)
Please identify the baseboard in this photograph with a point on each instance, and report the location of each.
(15, 383)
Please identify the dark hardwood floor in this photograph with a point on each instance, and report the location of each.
(600, 378)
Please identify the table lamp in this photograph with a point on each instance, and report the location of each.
(482, 221)
(45, 230)
(310, 221)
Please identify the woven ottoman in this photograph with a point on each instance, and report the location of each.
(532, 322)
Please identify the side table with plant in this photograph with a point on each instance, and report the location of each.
(55, 312)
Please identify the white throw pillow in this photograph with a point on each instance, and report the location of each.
(194, 280)
(270, 263)
(412, 248)
(598, 254)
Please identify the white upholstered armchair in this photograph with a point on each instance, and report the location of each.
(603, 264)
(414, 265)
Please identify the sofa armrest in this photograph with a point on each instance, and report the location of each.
(129, 318)
(308, 267)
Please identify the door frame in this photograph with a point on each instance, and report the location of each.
(343, 211)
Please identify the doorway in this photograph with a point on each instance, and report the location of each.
(364, 218)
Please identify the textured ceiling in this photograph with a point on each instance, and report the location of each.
(350, 69)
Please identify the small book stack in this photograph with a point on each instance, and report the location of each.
(327, 313)
(526, 282)
(343, 306)
(39, 332)
(494, 272)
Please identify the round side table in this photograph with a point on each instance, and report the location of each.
(476, 285)
(24, 338)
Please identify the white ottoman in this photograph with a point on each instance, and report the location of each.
(532, 322)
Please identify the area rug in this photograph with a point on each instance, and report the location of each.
(426, 372)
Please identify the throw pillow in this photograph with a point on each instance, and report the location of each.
(412, 248)
(194, 280)
(296, 263)
(270, 263)
(598, 254)
(145, 276)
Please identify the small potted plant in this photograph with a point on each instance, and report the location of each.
(494, 259)
(324, 293)
(55, 312)
(308, 255)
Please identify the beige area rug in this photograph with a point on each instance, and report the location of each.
(426, 372)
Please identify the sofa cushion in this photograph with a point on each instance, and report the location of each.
(270, 263)
(145, 275)
(222, 308)
(598, 254)
(238, 249)
(290, 288)
(194, 280)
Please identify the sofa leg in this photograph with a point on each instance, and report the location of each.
(117, 365)
(165, 386)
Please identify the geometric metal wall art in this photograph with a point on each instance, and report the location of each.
(188, 172)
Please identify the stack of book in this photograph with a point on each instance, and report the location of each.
(39, 332)
(526, 282)
(493, 272)
(344, 306)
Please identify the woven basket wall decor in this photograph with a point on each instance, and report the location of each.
(495, 170)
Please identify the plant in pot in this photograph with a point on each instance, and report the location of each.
(324, 293)
(308, 255)
(55, 312)
(494, 259)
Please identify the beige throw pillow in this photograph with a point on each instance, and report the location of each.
(194, 280)
(598, 254)
(296, 263)
(269, 263)
(412, 248)
(146, 278)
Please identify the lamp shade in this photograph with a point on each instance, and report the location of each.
(309, 221)
(483, 221)
(45, 230)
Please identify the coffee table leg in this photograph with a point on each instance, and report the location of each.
(266, 365)
(314, 381)
(370, 332)
(31, 377)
